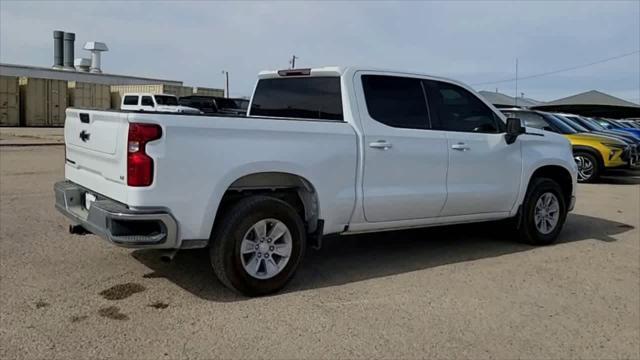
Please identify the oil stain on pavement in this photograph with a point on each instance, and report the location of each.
(112, 312)
(159, 305)
(122, 291)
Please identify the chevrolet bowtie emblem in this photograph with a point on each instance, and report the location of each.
(84, 135)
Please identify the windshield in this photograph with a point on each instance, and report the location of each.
(572, 123)
(625, 124)
(608, 124)
(595, 124)
(587, 123)
(242, 104)
(632, 124)
(166, 100)
(225, 103)
(558, 125)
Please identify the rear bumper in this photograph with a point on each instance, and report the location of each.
(147, 228)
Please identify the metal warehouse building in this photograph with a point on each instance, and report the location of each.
(593, 103)
(86, 77)
(39, 96)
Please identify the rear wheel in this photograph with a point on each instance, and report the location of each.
(544, 212)
(588, 166)
(257, 245)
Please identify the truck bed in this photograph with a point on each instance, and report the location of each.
(199, 156)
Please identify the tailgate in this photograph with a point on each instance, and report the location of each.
(96, 155)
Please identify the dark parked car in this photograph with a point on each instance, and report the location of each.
(215, 104)
(206, 104)
(612, 124)
(232, 106)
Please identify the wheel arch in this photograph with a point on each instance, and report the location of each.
(557, 173)
(592, 151)
(292, 188)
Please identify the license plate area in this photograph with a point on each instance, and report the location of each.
(89, 199)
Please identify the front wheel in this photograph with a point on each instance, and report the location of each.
(257, 246)
(588, 166)
(544, 212)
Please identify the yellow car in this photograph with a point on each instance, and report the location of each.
(595, 153)
(592, 153)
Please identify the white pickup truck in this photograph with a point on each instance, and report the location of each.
(155, 103)
(321, 151)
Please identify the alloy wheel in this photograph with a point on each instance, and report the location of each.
(266, 248)
(586, 167)
(547, 213)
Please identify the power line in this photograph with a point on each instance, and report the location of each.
(559, 70)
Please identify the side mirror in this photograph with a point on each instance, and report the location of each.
(514, 129)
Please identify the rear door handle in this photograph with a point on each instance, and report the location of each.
(380, 144)
(460, 147)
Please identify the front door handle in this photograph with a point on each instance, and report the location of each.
(380, 144)
(460, 147)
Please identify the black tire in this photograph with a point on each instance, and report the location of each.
(229, 232)
(597, 168)
(527, 230)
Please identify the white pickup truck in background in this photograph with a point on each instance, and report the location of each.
(321, 151)
(155, 103)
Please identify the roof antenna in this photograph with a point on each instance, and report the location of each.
(293, 61)
(516, 103)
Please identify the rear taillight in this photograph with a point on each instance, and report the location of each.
(139, 164)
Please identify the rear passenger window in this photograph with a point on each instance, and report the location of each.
(131, 100)
(300, 97)
(396, 101)
(147, 101)
(459, 110)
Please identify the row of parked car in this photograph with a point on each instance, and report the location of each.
(195, 104)
(599, 144)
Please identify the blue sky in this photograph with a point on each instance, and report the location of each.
(475, 41)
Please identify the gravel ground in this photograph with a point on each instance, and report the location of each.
(453, 292)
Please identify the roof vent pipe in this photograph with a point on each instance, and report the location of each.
(69, 43)
(95, 47)
(57, 49)
(82, 64)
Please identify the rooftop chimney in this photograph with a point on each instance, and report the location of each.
(69, 43)
(57, 49)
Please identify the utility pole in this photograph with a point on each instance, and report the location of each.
(516, 97)
(293, 61)
(226, 83)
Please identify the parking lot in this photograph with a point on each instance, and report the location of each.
(459, 292)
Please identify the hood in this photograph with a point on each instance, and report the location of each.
(633, 131)
(623, 136)
(596, 137)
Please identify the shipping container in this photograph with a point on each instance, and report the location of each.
(203, 91)
(88, 95)
(9, 101)
(117, 91)
(42, 101)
